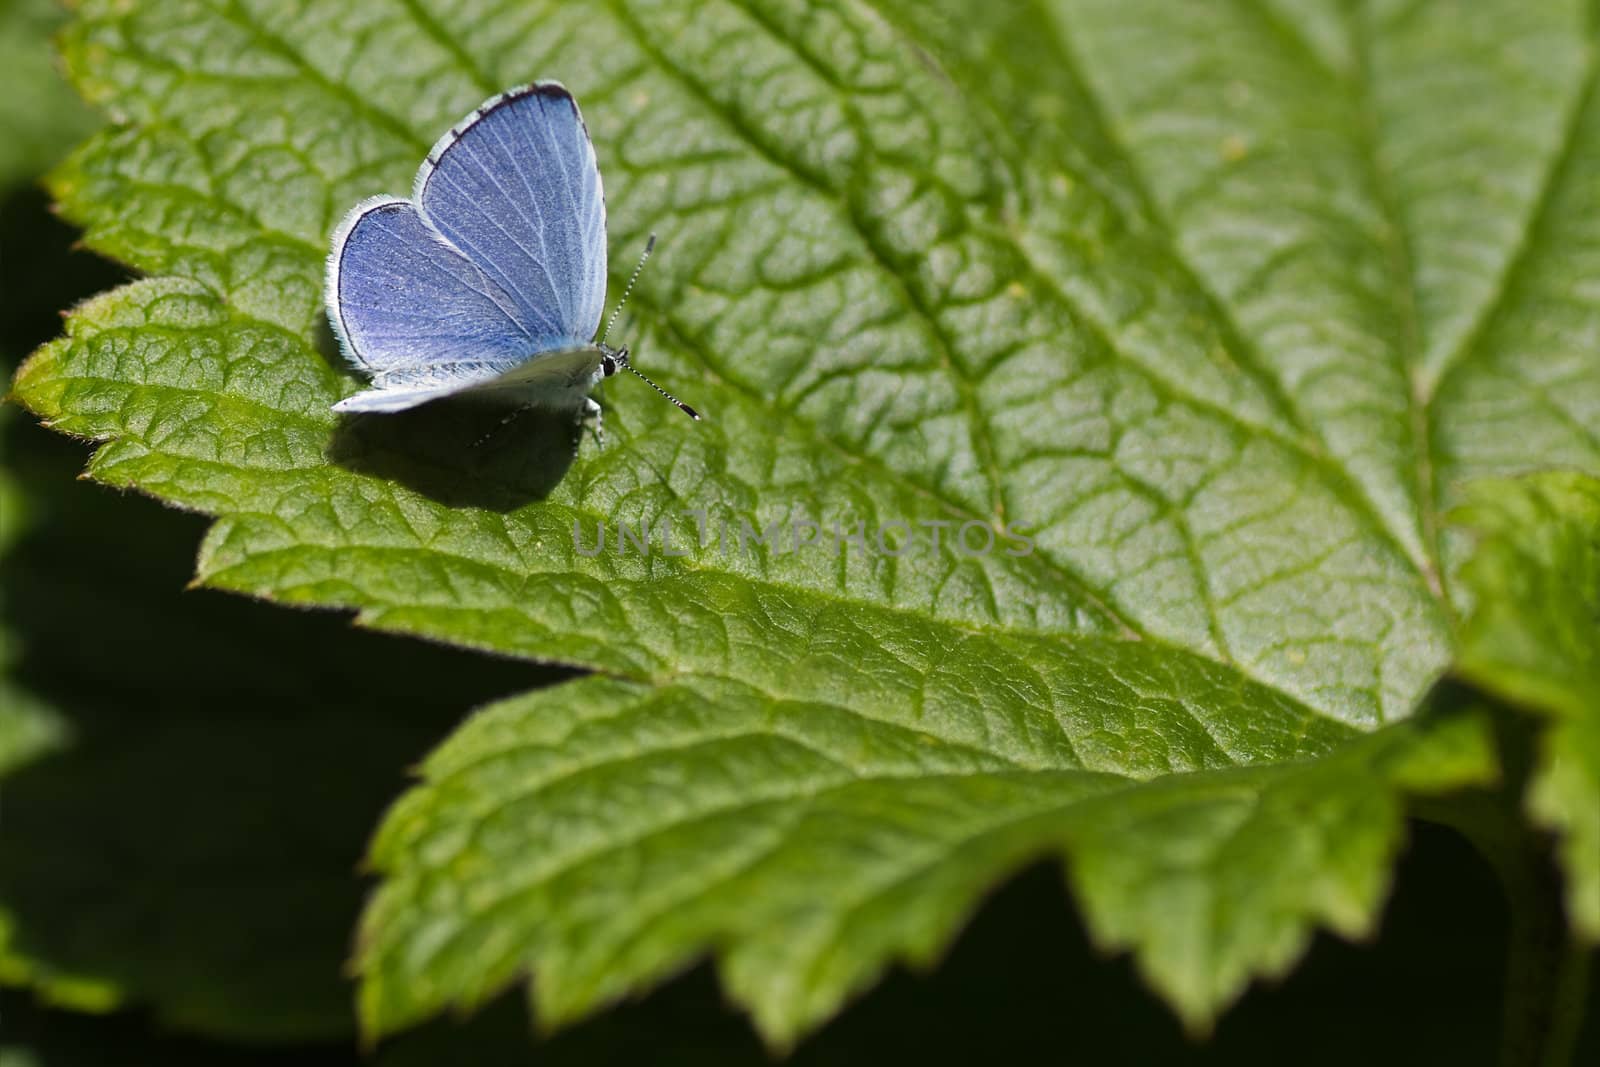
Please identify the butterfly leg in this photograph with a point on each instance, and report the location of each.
(515, 414)
(592, 410)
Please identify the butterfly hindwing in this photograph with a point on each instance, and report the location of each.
(410, 309)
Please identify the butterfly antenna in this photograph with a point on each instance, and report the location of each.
(623, 361)
(649, 246)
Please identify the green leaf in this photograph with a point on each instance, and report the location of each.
(1198, 296)
(1533, 641)
(607, 831)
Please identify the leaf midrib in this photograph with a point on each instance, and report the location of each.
(1401, 267)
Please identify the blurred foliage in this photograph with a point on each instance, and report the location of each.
(40, 116)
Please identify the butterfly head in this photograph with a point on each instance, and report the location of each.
(613, 360)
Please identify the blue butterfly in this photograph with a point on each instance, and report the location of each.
(491, 280)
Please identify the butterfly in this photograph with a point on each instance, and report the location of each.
(491, 280)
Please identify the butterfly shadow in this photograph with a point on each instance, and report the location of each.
(462, 452)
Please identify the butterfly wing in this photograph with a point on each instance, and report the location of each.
(516, 189)
(414, 312)
(397, 398)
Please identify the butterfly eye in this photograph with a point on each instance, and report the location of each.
(608, 366)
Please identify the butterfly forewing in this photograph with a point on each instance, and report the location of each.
(517, 190)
